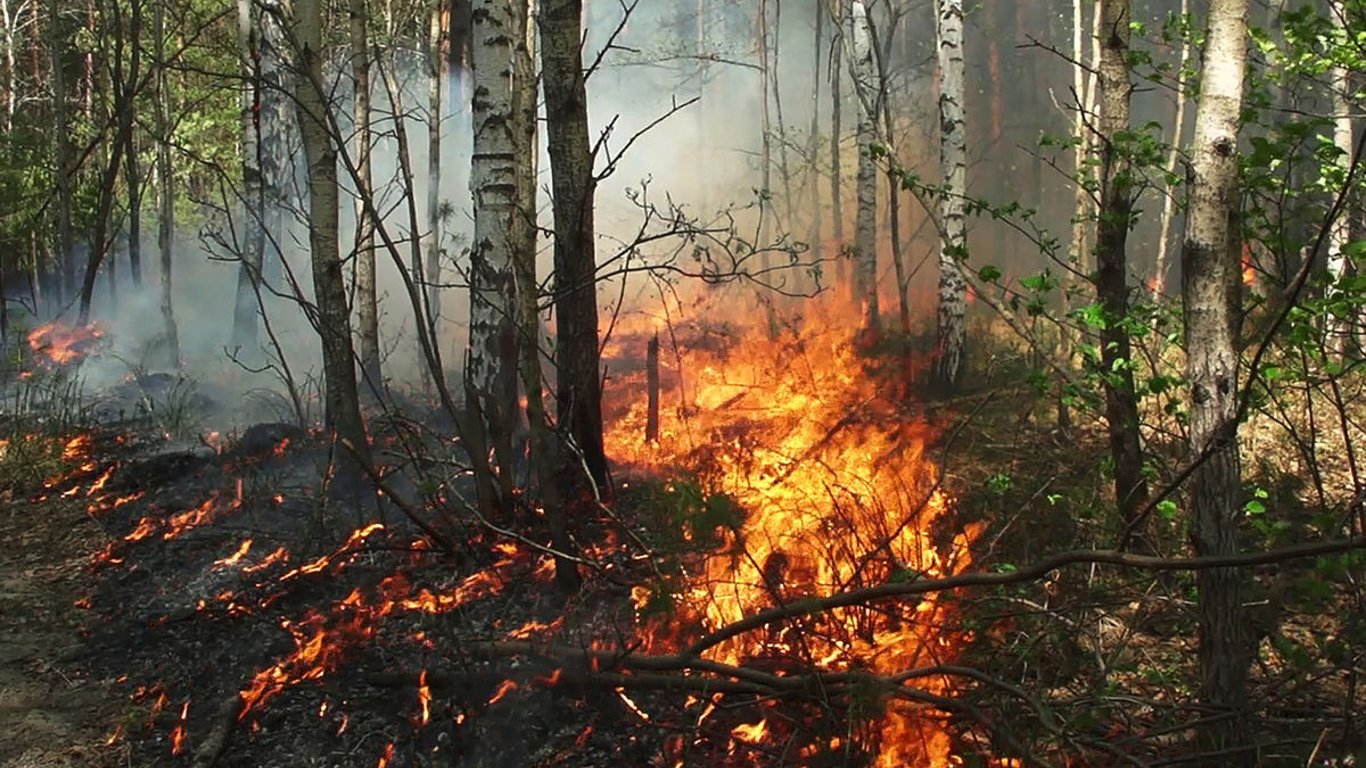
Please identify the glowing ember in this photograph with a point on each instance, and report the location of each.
(387, 757)
(504, 688)
(76, 448)
(836, 494)
(98, 485)
(62, 344)
(631, 705)
(424, 699)
(235, 557)
(753, 733)
(178, 735)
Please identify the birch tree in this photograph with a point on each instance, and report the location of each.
(1112, 274)
(491, 370)
(1339, 233)
(952, 332)
(329, 284)
(573, 188)
(436, 73)
(865, 223)
(61, 116)
(366, 292)
(253, 218)
(1210, 290)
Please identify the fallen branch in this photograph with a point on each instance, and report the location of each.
(224, 722)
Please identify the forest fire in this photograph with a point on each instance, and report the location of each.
(836, 494)
(60, 344)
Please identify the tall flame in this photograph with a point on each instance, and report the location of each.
(837, 492)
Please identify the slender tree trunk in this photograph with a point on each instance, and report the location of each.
(491, 371)
(573, 188)
(277, 121)
(766, 211)
(367, 294)
(1210, 290)
(57, 48)
(165, 188)
(11, 76)
(1159, 279)
(864, 285)
(436, 72)
(952, 336)
(1112, 274)
(253, 194)
(813, 144)
(133, 171)
(1338, 327)
(329, 283)
(836, 107)
(893, 188)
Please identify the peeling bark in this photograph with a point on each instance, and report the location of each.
(952, 332)
(864, 283)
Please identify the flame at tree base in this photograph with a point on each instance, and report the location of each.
(825, 459)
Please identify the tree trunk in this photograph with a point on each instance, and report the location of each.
(573, 186)
(491, 371)
(366, 292)
(57, 48)
(952, 334)
(436, 73)
(1158, 283)
(165, 188)
(1338, 328)
(1112, 284)
(813, 144)
(1210, 290)
(253, 195)
(329, 284)
(865, 227)
(836, 107)
(133, 171)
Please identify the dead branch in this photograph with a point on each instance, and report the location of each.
(224, 721)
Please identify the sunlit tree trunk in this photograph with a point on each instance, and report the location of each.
(329, 283)
(61, 118)
(366, 292)
(1112, 275)
(253, 218)
(7, 15)
(813, 143)
(952, 336)
(1210, 290)
(573, 188)
(436, 73)
(275, 128)
(860, 36)
(165, 188)
(1340, 230)
(491, 370)
(1159, 279)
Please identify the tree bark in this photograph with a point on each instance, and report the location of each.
(366, 291)
(491, 371)
(165, 188)
(836, 116)
(1159, 279)
(253, 218)
(1112, 274)
(436, 73)
(132, 171)
(573, 187)
(329, 284)
(1338, 327)
(1210, 290)
(952, 332)
(864, 286)
(61, 117)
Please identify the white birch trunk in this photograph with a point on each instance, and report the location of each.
(952, 337)
(491, 369)
(1210, 291)
(253, 237)
(1339, 233)
(432, 242)
(865, 222)
(366, 293)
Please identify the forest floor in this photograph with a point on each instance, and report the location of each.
(52, 712)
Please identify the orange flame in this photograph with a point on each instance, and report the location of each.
(424, 699)
(63, 344)
(504, 688)
(178, 735)
(235, 557)
(836, 493)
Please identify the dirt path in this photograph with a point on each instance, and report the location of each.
(50, 713)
